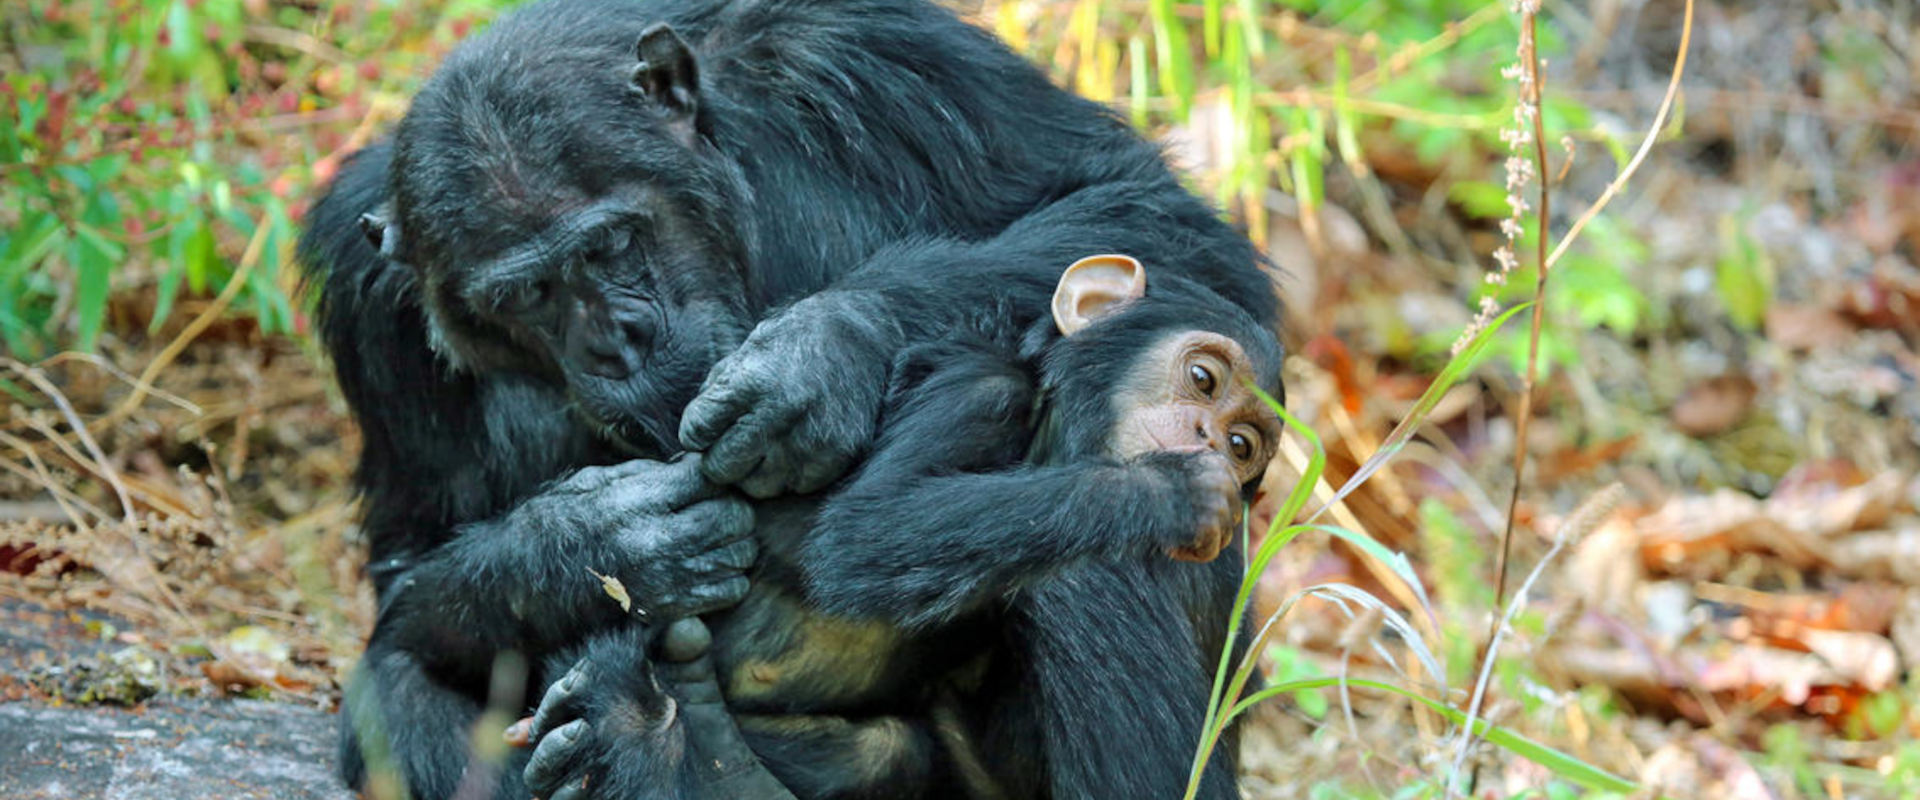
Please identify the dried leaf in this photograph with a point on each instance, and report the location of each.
(1714, 405)
(1798, 327)
(614, 589)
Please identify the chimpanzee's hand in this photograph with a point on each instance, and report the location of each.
(604, 726)
(678, 544)
(620, 726)
(796, 405)
(1205, 479)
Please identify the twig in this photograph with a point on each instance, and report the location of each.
(193, 330)
(1530, 59)
(115, 371)
(295, 40)
(101, 466)
(1646, 145)
(43, 476)
(1582, 521)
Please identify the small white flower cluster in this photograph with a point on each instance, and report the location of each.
(1519, 167)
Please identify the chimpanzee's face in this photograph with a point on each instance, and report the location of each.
(562, 221)
(617, 298)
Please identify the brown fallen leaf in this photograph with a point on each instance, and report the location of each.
(1891, 555)
(1825, 510)
(1699, 766)
(1714, 405)
(1798, 327)
(1865, 659)
(1687, 528)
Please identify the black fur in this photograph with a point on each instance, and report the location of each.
(880, 150)
(992, 560)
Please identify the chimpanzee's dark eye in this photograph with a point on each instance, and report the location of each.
(1202, 379)
(614, 241)
(1240, 446)
(526, 297)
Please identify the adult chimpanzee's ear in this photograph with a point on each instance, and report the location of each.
(666, 72)
(1093, 287)
(380, 229)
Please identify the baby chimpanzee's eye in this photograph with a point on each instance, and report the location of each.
(1202, 379)
(1240, 446)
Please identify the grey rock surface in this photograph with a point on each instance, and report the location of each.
(169, 749)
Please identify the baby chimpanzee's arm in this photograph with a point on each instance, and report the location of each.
(945, 515)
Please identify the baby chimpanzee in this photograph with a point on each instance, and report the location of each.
(881, 651)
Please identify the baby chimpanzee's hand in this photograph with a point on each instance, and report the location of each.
(1211, 512)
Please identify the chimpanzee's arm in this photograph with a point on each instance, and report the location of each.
(796, 405)
(1120, 655)
(479, 529)
(522, 580)
(945, 515)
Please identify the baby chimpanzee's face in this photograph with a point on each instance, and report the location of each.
(1176, 364)
(1190, 392)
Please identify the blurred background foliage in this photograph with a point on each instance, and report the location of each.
(151, 142)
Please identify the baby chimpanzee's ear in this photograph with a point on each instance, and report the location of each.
(1094, 287)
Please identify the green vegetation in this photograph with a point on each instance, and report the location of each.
(157, 149)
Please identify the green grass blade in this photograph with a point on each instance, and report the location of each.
(1560, 763)
(1456, 368)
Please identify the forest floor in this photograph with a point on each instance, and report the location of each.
(1745, 624)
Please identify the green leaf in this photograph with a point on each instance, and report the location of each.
(1481, 199)
(1744, 276)
(199, 259)
(1251, 15)
(1562, 764)
(1290, 664)
(94, 258)
(1137, 79)
(1308, 161)
(1346, 124)
(1456, 368)
(1210, 26)
(1174, 62)
(38, 233)
(182, 35)
(179, 240)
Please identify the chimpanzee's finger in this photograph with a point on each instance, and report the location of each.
(734, 557)
(739, 450)
(720, 404)
(571, 791)
(560, 702)
(685, 640)
(520, 733)
(769, 478)
(708, 597)
(656, 485)
(557, 757)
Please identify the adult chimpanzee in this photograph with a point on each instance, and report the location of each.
(1122, 428)
(570, 234)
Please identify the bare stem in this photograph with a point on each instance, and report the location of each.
(1530, 59)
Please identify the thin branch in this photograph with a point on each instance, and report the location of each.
(1646, 145)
